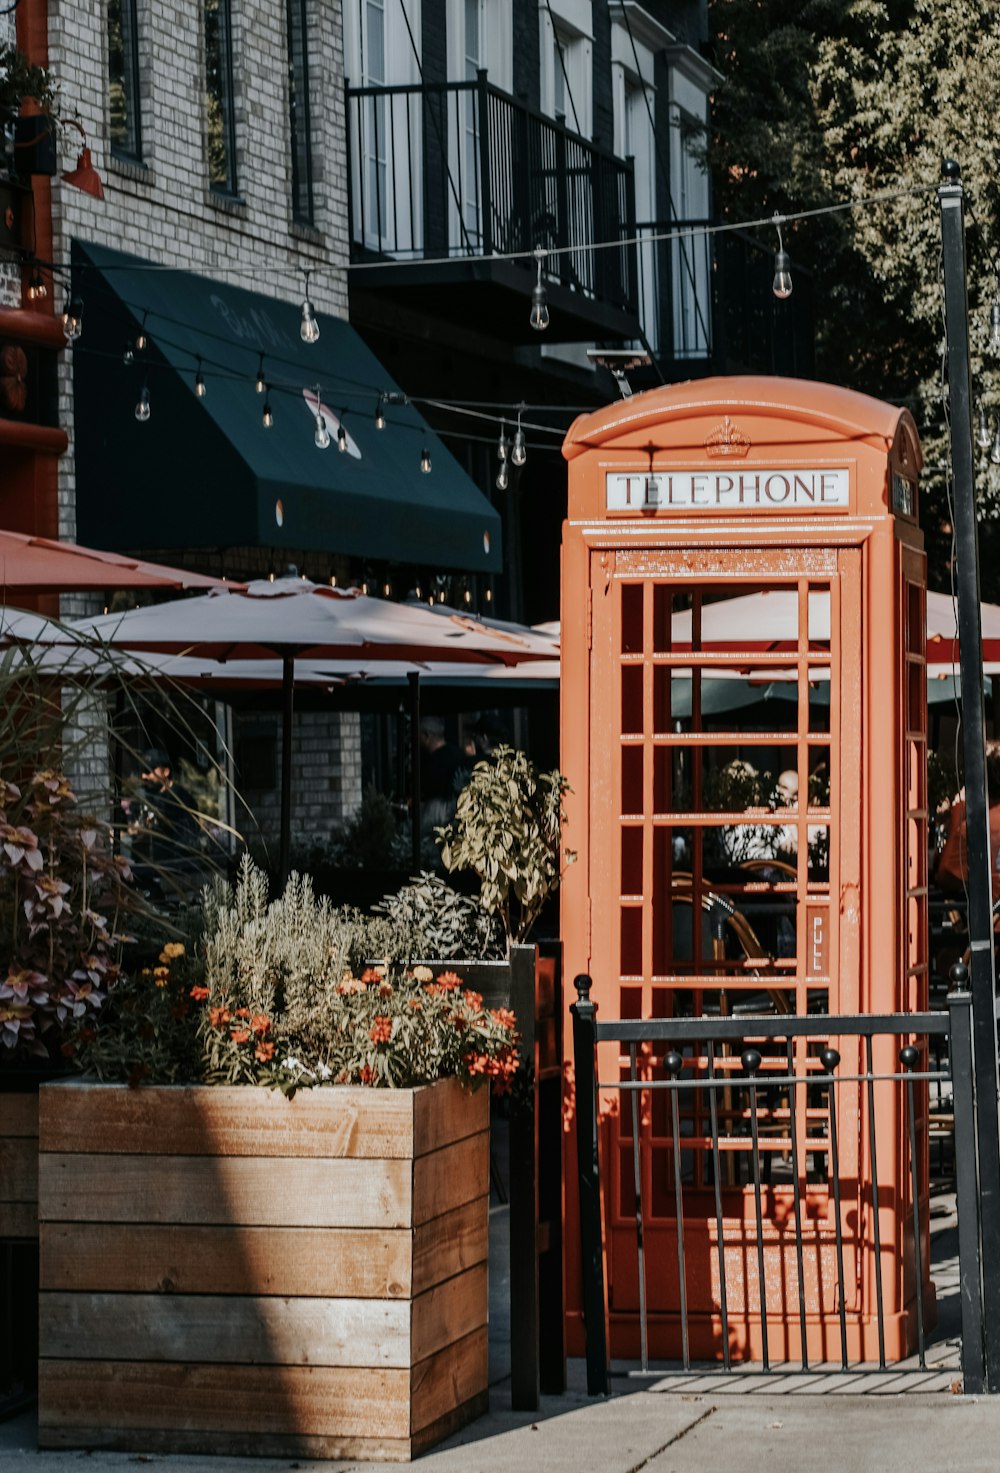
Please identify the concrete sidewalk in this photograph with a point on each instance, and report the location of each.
(649, 1430)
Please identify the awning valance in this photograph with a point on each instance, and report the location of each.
(205, 472)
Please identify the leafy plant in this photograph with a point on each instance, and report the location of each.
(439, 922)
(21, 79)
(274, 992)
(507, 831)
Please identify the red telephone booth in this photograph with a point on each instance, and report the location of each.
(744, 729)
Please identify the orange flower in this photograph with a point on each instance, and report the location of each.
(218, 1016)
(432, 989)
(367, 1074)
(264, 1051)
(449, 981)
(473, 1000)
(416, 1004)
(458, 1022)
(371, 974)
(381, 1030)
(476, 1063)
(171, 950)
(260, 1024)
(242, 1012)
(504, 1017)
(240, 1035)
(199, 993)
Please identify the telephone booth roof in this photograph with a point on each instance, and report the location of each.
(748, 421)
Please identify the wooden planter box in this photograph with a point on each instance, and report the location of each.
(225, 1270)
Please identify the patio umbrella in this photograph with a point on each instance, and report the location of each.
(40, 565)
(296, 620)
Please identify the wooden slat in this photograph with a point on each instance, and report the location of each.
(228, 1121)
(360, 1263)
(449, 1312)
(92, 1396)
(238, 1444)
(257, 1192)
(18, 1114)
(240, 1330)
(450, 1378)
(449, 1177)
(18, 1170)
(18, 1219)
(447, 1113)
(444, 1426)
(446, 1245)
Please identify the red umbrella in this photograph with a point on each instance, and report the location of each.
(40, 565)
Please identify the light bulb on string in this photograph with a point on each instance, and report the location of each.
(261, 383)
(73, 319)
(425, 461)
(539, 318)
(341, 435)
(267, 416)
(519, 454)
(309, 331)
(321, 438)
(995, 447)
(983, 433)
(503, 444)
(37, 288)
(380, 413)
(142, 410)
(199, 382)
(128, 355)
(782, 283)
(503, 476)
(142, 341)
(994, 342)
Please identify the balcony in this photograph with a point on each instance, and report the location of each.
(448, 180)
(707, 306)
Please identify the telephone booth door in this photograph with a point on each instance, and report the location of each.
(754, 749)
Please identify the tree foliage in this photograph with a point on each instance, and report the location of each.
(840, 100)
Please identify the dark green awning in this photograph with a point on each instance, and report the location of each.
(204, 472)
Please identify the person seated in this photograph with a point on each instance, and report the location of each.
(951, 874)
(444, 771)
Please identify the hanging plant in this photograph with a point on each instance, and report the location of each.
(21, 80)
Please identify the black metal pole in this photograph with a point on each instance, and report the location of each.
(589, 1176)
(413, 680)
(966, 1192)
(287, 712)
(951, 197)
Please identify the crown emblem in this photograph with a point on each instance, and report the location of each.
(728, 440)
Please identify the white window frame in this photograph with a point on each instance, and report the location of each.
(573, 20)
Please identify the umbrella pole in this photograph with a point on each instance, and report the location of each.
(413, 680)
(287, 711)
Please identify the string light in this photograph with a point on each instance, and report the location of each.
(142, 410)
(425, 461)
(995, 448)
(142, 341)
(73, 319)
(37, 289)
(539, 318)
(983, 435)
(503, 476)
(128, 356)
(199, 382)
(309, 331)
(380, 413)
(782, 283)
(321, 438)
(267, 417)
(503, 444)
(261, 384)
(341, 434)
(519, 454)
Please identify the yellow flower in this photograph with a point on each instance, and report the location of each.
(423, 974)
(172, 950)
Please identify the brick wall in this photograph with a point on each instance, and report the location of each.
(326, 775)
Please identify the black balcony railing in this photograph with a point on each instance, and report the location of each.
(706, 302)
(449, 170)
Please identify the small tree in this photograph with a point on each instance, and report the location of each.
(507, 830)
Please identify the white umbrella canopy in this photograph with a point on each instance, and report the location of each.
(298, 620)
(291, 616)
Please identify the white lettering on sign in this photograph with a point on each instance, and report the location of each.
(735, 490)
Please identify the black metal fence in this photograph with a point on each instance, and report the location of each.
(732, 1086)
(455, 169)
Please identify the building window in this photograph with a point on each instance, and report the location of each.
(567, 74)
(123, 79)
(219, 96)
(298, 112)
